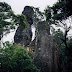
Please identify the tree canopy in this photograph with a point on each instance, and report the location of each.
(8, 19)
(14, 58)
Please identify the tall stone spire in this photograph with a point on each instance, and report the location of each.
(23, 35)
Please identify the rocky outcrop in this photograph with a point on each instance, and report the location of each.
(28, 12)
(43, 43)
(44, 48)
(23, 35)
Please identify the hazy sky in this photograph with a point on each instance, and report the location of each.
(18, 5)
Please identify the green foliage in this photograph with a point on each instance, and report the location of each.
(48, 13)
(63, 49)
(14, 58)
(19, 19)
(63, 8)
(58, 36)
(8, 19)
(69, 51)
(66, 57)
(70, 43)
(38, 15)
(5, 13)
(4, 7)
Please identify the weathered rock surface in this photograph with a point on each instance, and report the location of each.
(44, 49)
(28, 12)
(43, 43)
(23, 36)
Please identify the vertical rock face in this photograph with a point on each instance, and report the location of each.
(43, 55)
(23, 36)
(28, 12)
(44, 49)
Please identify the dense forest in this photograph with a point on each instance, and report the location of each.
(50, 51)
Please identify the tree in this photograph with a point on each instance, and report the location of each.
(62, 12)
(58, 36)
(14, 58)
(48, 15)
(66, 57)
(63, 8)
(61, 15)
(37, 16)
(69, 55)
(5, 13)
(8, 19)
(62, 18)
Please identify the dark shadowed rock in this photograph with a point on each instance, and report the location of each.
(1, 35)
(28, 12)
(23, 36)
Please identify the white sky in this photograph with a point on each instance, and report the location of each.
(18, 5)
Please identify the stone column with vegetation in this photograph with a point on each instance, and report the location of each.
(23, 35)
(44, 48)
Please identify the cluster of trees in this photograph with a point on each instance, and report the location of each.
(8, 19)
(14, 58)
(65, 55)
(59, 14)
